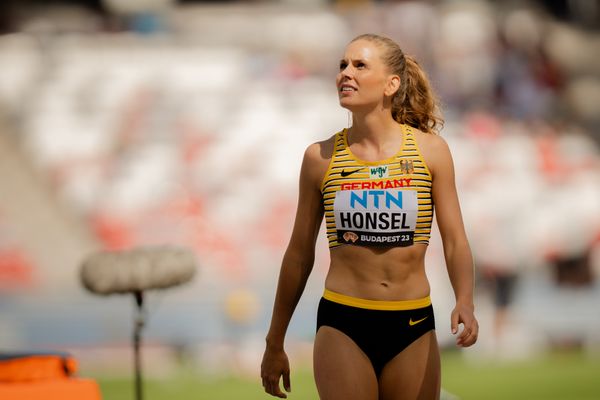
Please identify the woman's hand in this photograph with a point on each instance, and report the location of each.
(463, 314)
(274, 365)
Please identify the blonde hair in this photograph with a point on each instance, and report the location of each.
(414, 103)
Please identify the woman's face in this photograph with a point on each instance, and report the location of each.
(363, 79)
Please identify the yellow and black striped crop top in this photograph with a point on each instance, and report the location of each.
(381, 203)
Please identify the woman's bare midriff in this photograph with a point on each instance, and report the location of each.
(379, 273)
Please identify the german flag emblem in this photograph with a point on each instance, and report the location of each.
(407, 167)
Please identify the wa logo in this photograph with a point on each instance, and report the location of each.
(379, 172)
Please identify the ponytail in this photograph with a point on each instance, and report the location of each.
(417, 104)
(414, 103)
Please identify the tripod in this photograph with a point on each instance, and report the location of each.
(137, 339)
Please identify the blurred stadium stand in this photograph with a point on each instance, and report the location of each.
(184, 122)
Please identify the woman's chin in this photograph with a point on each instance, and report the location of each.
(347, 104)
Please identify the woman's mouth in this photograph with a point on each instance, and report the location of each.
(347, 89)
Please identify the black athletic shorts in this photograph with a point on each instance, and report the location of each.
(381, 329)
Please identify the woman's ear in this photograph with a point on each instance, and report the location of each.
(392, 86)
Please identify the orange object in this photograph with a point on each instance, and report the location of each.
(47, 376)
(52, 389)
(34, 367)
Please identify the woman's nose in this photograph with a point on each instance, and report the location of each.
(346, 71)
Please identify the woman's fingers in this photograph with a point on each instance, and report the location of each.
(287, 385)
(470, 331)
(274, 366)
(271, 385)
(469, 334)
(454, 322)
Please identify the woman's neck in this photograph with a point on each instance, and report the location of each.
(377, 128)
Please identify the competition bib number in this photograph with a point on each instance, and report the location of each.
(376, 217)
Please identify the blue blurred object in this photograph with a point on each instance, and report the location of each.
(146, 23)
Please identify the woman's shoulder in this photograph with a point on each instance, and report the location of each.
(320, 151)
(317, 158)
(433, 148)
(432, 140)
(431, 143)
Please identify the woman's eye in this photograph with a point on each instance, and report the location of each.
(343, 66)
(360, 65)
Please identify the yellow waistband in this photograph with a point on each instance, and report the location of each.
(394, 305)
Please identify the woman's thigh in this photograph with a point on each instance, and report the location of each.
(342, 370)
(415, 373)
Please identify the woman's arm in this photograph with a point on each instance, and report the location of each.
(459, 260)
(295, 269)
